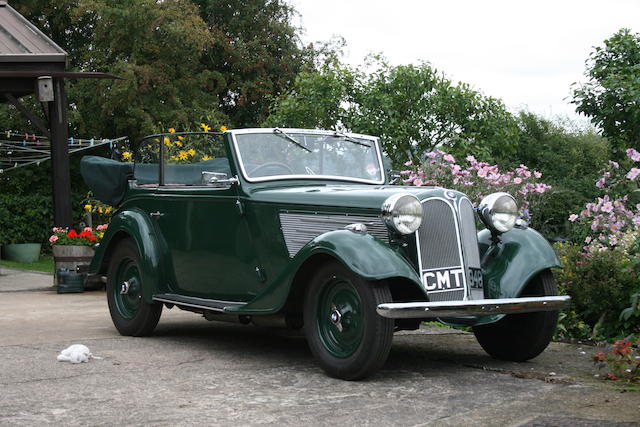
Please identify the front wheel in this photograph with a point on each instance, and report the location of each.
(131, 315)
(520, 337)
(344, 332)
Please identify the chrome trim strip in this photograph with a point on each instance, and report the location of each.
(245, 175)
(462, 264)
(430, 310)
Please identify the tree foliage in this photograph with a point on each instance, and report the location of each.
(181, 61)
(611, 96)
(256, 50)
(412, 108)
(570, 160)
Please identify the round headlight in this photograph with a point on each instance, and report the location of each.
(499, 212)
(402, 213)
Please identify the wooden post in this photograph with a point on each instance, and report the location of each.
(62, 212)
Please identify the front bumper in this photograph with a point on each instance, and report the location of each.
(429, 310)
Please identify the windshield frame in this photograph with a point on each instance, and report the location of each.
(290, 131)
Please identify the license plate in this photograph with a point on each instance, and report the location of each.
(475, 278)
(443, 279)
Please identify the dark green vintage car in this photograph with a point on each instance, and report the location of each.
(303, 227)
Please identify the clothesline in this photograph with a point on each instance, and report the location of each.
(28, 149)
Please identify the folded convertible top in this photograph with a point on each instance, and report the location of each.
(106, 178)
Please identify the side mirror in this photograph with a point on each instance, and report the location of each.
(217, 179)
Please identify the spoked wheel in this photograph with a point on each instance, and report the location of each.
(520, 337)
(131, 315)
(345, 334)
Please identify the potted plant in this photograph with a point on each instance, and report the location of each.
(71, 249)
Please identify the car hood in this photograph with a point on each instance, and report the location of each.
(354, 196)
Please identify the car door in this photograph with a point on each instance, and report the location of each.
(209, 242)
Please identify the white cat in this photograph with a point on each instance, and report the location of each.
(76, 353)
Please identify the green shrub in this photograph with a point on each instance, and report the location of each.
(25, 218)
(600, 285)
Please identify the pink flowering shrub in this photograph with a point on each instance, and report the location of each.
(602, 270)
(477, 179)
(613, 220)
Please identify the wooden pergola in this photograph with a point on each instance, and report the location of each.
(31, 63)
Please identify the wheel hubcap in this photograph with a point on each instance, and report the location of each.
(127, 295)
(339, 317)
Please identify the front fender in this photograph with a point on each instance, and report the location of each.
(510, 264)
(362, 253)
(137, 225)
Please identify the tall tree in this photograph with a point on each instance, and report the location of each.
(257, 50)
(611, 96)
(156, 47)
(412, 108)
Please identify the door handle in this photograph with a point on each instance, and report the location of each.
(157, 214)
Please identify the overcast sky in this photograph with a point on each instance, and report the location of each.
(527, 53)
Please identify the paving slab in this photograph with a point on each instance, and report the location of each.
(192, 371)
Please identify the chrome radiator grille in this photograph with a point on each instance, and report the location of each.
(448, 249)
(299, 229)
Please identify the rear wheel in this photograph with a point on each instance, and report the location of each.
(131, 315)
(520, 337)
(344, 332)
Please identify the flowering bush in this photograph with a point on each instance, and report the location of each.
(622, 360)
(613, 221)
(478, 179)
(99, 211)
(602, 270)
(87, 237)
(179, 148)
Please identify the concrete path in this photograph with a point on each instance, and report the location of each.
(196, 372)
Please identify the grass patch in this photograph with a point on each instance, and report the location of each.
(44, 264)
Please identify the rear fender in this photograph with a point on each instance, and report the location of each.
(135, 224)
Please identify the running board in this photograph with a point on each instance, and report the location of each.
(430, 310)
(194, 302)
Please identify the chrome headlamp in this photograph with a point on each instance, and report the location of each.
(499, 212)
(402, 213)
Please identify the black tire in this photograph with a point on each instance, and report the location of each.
(520, 337)
(355, 343)
(131, 315)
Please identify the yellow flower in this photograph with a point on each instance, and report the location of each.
(205, 127)
(126, 155)
(179, 144)
(183, 155)
(100, 209)
(223, 128)
(88, 207)
(101, 234)
(191, 152)
(167, 141)
(174, 158)
(108, 209)
(172, 130)
(180, 137)
(206, 158)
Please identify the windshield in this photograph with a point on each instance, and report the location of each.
(293, 154)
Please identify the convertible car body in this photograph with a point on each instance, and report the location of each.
(303, 226)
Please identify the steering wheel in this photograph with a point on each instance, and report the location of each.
(273, 165)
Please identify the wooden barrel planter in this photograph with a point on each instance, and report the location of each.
(70, 257)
